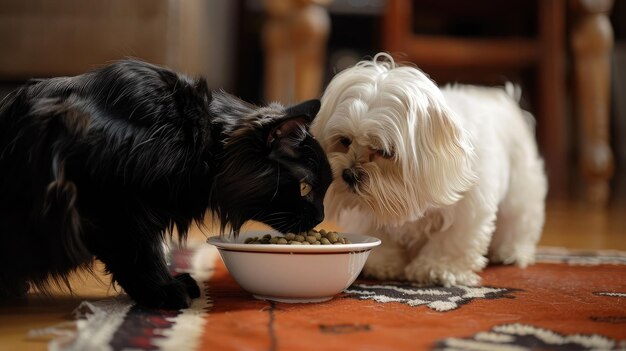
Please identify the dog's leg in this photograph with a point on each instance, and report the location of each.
(454, 255)
(521, 216)
(387, 261)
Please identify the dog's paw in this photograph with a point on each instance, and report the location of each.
(390, 269)
(387, 262)
(432, 273)
(521, 257)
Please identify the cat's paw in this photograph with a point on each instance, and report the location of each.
(190, 284)
(174, 295)
(435, 273)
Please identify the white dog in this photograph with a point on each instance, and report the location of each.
(445, 177)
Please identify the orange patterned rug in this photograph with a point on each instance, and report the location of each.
(567, 301)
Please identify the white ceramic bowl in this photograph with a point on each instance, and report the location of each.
(294, 273)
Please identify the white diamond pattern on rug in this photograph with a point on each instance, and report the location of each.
(580, 257)
(610, 293)
(528, 337)
(438, 298)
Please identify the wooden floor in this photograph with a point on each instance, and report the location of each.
(568, 225)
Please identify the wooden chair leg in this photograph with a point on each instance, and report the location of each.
(592, 43)
(551, 94)
(294, 40)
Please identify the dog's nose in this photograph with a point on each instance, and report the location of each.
(349, 176)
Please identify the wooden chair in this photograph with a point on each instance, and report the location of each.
(546, 54)
(294, 42)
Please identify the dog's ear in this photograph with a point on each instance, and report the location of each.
(445, 156)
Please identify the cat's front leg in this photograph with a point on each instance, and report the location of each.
(141, 270)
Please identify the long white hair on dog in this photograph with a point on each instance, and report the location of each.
(389, 126)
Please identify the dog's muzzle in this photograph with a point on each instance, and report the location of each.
(352, 176)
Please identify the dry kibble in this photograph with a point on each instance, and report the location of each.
(332, 237)
(312, 237)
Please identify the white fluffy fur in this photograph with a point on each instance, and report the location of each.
(447, 177)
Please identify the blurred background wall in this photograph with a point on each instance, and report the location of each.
(227, 42)
(43, 38)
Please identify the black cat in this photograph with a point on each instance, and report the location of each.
(107, 163)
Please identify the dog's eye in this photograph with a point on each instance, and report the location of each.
(305, 188)
(385, 154)
(345, 141)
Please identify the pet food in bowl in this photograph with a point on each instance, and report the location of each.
(312, 237)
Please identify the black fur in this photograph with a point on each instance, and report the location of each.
(106, 163)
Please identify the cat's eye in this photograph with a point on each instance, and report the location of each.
(345, 141)
(305, 188)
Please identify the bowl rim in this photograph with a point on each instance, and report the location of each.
(361, 242)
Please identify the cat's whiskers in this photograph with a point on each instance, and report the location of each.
(277, 183)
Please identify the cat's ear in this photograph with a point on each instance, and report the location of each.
(307, 109)
(285, 129)
(296, 119)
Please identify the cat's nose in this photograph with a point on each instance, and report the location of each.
(319, 217)
(349, 176)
